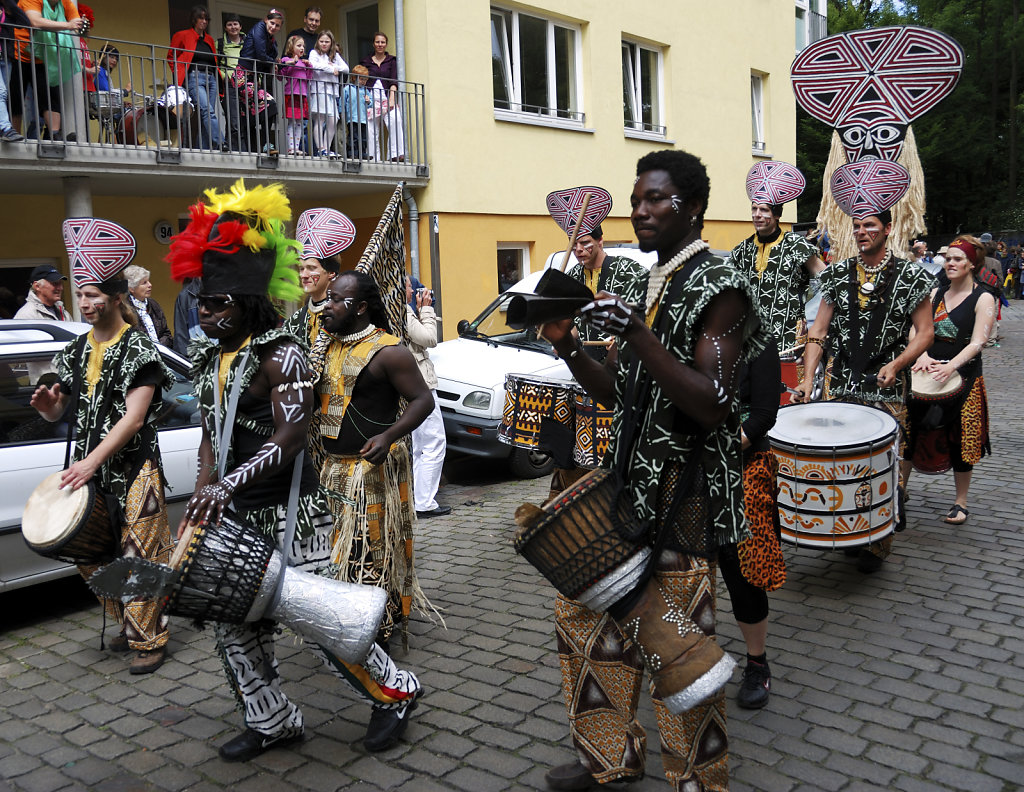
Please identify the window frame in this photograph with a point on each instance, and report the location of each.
(758, 137)
(637, 127)
(523, 249)
(508, 40)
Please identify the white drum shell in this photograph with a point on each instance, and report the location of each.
(838, 474)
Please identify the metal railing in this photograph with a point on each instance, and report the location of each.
(817, 27)
(131, 95)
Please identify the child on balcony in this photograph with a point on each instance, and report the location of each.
(323, 100)
(296, 71)
(356, 99)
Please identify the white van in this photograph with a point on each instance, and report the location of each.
(471, 373)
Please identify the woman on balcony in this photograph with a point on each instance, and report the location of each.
(386, 110)
(193, 56)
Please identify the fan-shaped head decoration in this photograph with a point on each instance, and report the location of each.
(98, 249)
(773, 182)
(869, 187)
(565, 205)
(324, 232)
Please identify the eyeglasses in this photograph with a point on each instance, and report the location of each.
(214, 304)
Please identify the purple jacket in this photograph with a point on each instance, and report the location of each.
(296, 76)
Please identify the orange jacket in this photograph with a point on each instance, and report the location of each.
(183, 47)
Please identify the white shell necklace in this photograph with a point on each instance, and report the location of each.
(661, 272)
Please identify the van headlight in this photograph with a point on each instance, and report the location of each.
(478, 400)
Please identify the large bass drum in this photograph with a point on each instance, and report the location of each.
(838, 474)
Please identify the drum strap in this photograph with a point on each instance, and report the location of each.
(291, 519)
(224, 434)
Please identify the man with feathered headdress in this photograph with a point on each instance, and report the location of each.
(256, 397)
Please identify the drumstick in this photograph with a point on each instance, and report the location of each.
(575, 231)
(607, 342)
(791, 350)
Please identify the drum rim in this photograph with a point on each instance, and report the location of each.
(890, 435)
(886, 441)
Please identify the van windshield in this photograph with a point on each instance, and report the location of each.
(491, 326)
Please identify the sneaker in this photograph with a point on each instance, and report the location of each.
(250, 744)
(10, 136)
(387, 725)
(755, 686)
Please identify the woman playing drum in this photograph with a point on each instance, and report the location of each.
(953, 432)
(112, 378)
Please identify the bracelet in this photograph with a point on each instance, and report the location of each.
(819, 341)
(577, 350)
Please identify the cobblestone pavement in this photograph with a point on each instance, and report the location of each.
(910, 679)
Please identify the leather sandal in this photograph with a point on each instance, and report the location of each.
(957, 515)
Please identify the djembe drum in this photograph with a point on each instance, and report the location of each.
(69, 525)
(229, 572)
(586, 544)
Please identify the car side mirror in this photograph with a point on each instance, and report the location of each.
(462, 326)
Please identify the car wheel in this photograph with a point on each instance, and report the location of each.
(529, 463)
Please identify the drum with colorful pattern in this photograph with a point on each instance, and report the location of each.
(532, 403)
(593, 431)
(838, 474)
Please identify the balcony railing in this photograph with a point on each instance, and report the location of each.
(817, 27)
(130, 95)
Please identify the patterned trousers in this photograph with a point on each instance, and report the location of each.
(602, 672)
(144, 534)
(247, 651)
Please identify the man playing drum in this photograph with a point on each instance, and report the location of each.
(869, 303)
(704, 324)
(256, 397)
(781, 265)
(112, 377)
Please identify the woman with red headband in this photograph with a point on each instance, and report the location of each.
(948, 409)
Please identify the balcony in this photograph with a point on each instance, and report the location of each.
(134, 130)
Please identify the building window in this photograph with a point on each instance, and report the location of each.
(535, 65)
(641, 88)
(513, 263)
(757, 82)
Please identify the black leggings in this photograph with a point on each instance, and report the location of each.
(21, 81)
(749, 603)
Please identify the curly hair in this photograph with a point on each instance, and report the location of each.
(367, 291)
(685, 170)
(257, 312)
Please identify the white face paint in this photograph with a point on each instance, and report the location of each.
(225, 323)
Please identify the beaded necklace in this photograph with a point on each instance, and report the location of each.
(661, 272)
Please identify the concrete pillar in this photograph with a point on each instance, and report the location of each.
(77, 196)
(77, 203)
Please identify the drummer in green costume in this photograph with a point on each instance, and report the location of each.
(869, 304)
(113, 376)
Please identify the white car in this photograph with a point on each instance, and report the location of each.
(471, 374)
(31, 448)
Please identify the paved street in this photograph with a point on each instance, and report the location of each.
(911, 679)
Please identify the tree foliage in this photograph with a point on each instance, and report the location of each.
(970, 144)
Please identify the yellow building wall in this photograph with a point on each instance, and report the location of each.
(489, 177)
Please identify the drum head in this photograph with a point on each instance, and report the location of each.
(926, 386)
(53, 513)
(831, 425)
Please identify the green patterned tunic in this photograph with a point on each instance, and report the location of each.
(781, 289)
(616, 276)
(123, 362)
(658, 439)
(910, 285)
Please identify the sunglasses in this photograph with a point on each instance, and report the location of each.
(214, 304)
